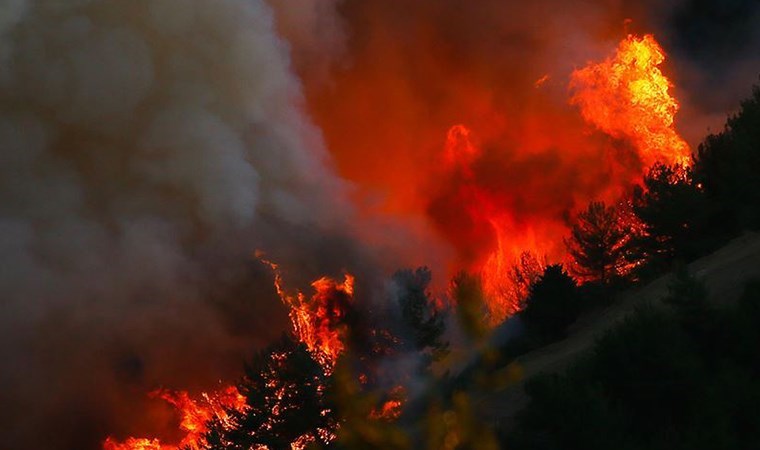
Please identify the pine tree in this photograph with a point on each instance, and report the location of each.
(599, 244)
(286, 397)
(423, 321)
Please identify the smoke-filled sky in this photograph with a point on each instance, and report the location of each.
(149, 147)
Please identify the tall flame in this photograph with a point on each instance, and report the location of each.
(626, 96)
(318, 321)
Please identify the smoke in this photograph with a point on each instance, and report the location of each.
(148, 148)
(316, 35)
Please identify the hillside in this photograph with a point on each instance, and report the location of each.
(724, 273)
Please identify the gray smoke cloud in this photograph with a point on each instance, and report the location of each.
(148, 148)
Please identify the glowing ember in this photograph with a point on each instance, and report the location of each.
(195, 416)
(391, 409)
(626, 96)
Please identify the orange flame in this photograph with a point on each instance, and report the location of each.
(508, 269)
(318, 321)
(392, 408)
(626, 96)
(195, 416)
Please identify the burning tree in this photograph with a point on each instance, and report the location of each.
(598, 244)
(285, 390)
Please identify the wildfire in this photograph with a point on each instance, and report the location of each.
(195, 415)
(626, 96)
(318, 321)
(505, 242)
(392, 408)
(513, 263)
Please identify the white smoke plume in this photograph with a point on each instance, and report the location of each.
(148, 147)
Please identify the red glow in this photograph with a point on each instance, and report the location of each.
(194, 415)
(507, 230)
(319, 320)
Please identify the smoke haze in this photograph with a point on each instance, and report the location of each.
(149, 148)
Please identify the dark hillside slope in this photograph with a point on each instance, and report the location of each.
(724, 273)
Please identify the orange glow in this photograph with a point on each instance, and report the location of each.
(541, 81)
(195, 415)
(391, 409)
(503, 188)
(136, 444)
(511, 263)
(318, 321)
(508, 230)
(627, 97)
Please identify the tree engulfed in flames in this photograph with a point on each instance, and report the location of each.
(195, 415)
(319, 320)
(626, 96)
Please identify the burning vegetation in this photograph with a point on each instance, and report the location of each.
(510, 248)
(627, 98)
(196, 417)
(152, 146)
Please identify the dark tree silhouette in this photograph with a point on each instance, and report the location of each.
(674, 214)
(598, 244)
(286, 393)
(727, 167)
(553, 303)
(424, 323)
(471, 310)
